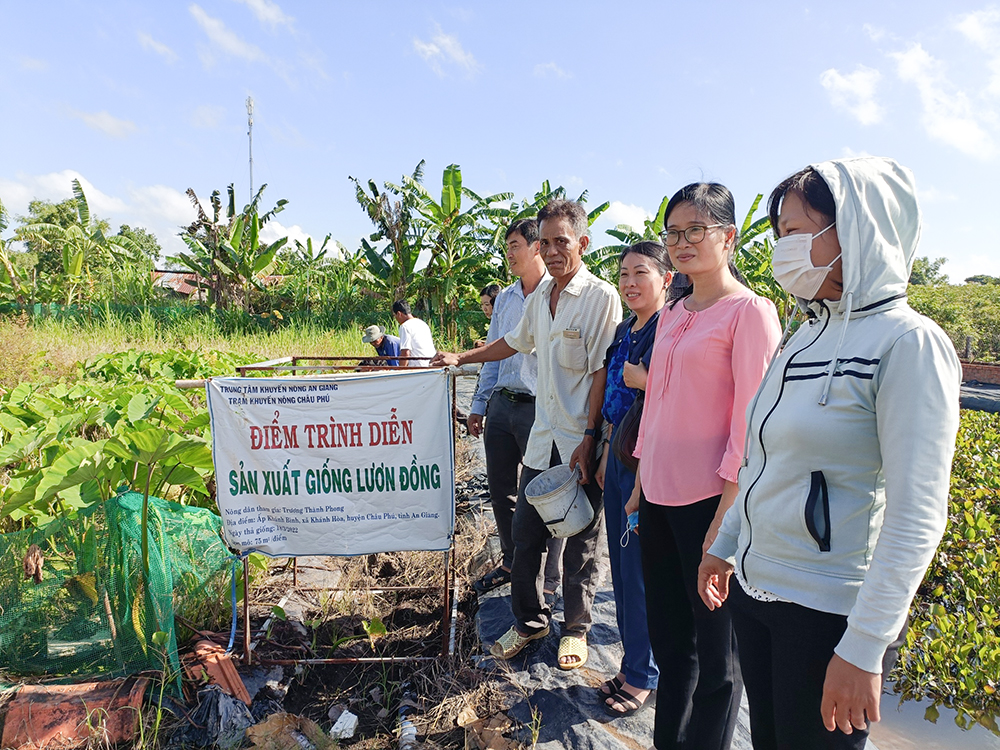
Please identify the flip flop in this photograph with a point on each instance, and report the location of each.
(629, 702)
(511, 643)
(613, 686)
(492, 580)
(570, 645)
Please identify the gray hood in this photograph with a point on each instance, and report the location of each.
(878, 225)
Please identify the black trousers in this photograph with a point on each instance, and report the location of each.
(505, 439)
(698, 697)
(579, 583)
(784, 651)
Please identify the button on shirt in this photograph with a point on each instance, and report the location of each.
(518, 373)
(570, 348)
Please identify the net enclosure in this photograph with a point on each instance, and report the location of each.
(74, 600)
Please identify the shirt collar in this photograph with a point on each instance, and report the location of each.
(579, 281)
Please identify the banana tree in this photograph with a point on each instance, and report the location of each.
(83, 243)
(226, 251)
(395, 264)
(18, 289)
(453, 238)
(603, 261)
(752, 256)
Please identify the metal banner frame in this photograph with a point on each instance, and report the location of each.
(294, 366)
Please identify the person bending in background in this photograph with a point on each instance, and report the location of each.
(415, 338)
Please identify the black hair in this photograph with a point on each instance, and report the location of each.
(714, 201)
(491, 291)
(527, 228)
(401, 306)
(809, 184)
(572, 211)
(653, 250)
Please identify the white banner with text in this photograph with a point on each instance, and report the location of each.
(334, 465)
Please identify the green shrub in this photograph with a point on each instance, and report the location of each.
(969, 310)
(952, 651)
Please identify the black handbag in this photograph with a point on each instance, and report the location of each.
(625, 434)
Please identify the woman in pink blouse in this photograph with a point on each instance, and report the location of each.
(712, 346)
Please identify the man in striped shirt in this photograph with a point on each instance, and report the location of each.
(506, 394)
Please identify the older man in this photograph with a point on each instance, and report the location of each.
(569, 322)
(385, 344)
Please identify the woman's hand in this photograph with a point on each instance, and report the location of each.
(850, 696)
(635, 375)
(602, 467)
(713, 581)
(633, 502)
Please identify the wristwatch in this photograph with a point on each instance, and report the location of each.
(590, 432)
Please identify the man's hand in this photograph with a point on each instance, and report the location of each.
(444, 359)
(475, 425)
(583, 457)
(635, 375)
(713, 581)
(850, 696)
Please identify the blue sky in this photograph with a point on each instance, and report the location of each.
(628, 100)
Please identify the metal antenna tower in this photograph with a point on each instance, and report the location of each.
(250, 137)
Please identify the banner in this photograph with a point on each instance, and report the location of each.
(334, 465)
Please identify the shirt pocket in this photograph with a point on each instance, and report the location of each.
(572, 353)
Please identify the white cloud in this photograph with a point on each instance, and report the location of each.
(32, 63)
(106, 123)
(224, 39)
(148, 43)
(268, 13)
(445, 48)
(933, 195)
(207, 116)
(274, 230)
(550, 70)
(854, 92)
(849, 153)
(624, 213)
(948, 114)
(160, 209)
(983, 29)
(874, 32)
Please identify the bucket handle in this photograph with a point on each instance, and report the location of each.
(576, 476)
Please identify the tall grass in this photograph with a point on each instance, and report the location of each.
(49, 348)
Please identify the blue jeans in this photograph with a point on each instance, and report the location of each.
(638, 664)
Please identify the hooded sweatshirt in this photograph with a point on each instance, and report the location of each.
(844, 485)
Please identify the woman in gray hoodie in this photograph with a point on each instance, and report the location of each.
(844, 484)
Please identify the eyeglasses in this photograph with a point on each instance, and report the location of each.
(694, 234)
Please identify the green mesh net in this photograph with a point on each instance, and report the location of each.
(93, 612)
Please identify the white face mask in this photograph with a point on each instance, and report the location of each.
(793, 267)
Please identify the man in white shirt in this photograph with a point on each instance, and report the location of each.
(415, 338)
(569, 322)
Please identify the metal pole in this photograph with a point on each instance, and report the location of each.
(250, 137)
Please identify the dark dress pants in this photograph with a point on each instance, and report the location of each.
(505, 438)
(579, 563)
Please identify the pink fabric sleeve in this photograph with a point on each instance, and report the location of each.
(755, 338)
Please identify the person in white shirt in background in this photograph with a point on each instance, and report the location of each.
(506, 394)
(415, 338)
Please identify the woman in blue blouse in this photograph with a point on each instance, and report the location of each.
(643, 280)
